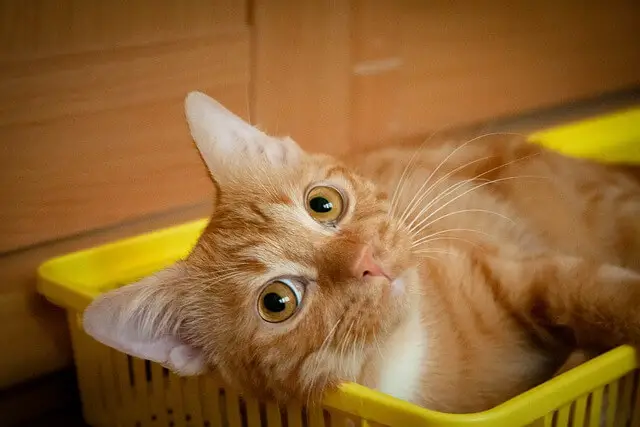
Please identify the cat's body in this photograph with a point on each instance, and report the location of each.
(496, 191)
(453, 275)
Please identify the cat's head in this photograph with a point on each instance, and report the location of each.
(299, 274)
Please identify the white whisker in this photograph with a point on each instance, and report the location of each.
(448, 238)
(463, 182)
(354, 353)
(343, 343)
(377, 344)
(408, 211)
(464, 211)
(432, 174)
(447, 158)
(329, 335)
(452, 188)
(323, 347)
(448, 231)
(429, 257)
(434, 251)
(400, 185)
(467, 192)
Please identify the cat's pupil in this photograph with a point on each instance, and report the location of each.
(274, 302)
(320, 205)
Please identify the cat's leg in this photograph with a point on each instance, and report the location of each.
(597, 305)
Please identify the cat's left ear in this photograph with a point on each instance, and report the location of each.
(222, 137)
(144, 320)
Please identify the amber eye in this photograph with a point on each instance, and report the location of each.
(278, 301)
(325, 204)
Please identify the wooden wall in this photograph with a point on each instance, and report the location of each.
(421, 65)
(93, 145)
(92, 135)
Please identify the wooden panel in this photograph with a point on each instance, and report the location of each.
(91, 119)
(37, 330)
(377, 61)
(35, 334)
(41, 28)
(92, 135)
(444, 64)
(301, 80)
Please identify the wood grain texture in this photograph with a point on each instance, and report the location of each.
(41, 28)
(93, 137)
(301, 81)
(92, 130)
(463, 62)
(35, 328)
(376, 66)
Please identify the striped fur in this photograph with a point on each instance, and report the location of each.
(503, 259)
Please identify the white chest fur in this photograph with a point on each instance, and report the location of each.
(404, 359)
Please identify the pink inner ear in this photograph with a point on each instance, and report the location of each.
(222, 136)
(117, 320)
(181, 358)
(186, 360)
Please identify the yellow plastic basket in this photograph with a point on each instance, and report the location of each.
(612, 138)
(119, 390)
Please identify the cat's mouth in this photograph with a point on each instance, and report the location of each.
(377, 267)
(395, 282)
(397, 286)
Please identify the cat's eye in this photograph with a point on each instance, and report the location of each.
(278, 301)
(325, 204)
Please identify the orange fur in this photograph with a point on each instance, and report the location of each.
(535, 204)
(507, 257)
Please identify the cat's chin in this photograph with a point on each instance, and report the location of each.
(395, 287)
(401, 284)
(398, 287)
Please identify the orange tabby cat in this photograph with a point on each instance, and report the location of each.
(452, 275)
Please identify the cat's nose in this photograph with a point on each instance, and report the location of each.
(365, 265)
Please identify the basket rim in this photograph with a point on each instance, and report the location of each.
(58, 284)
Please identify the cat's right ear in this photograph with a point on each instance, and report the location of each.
(144, 320)
(223, 138)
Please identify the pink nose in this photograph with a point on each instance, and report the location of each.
(365, 265)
